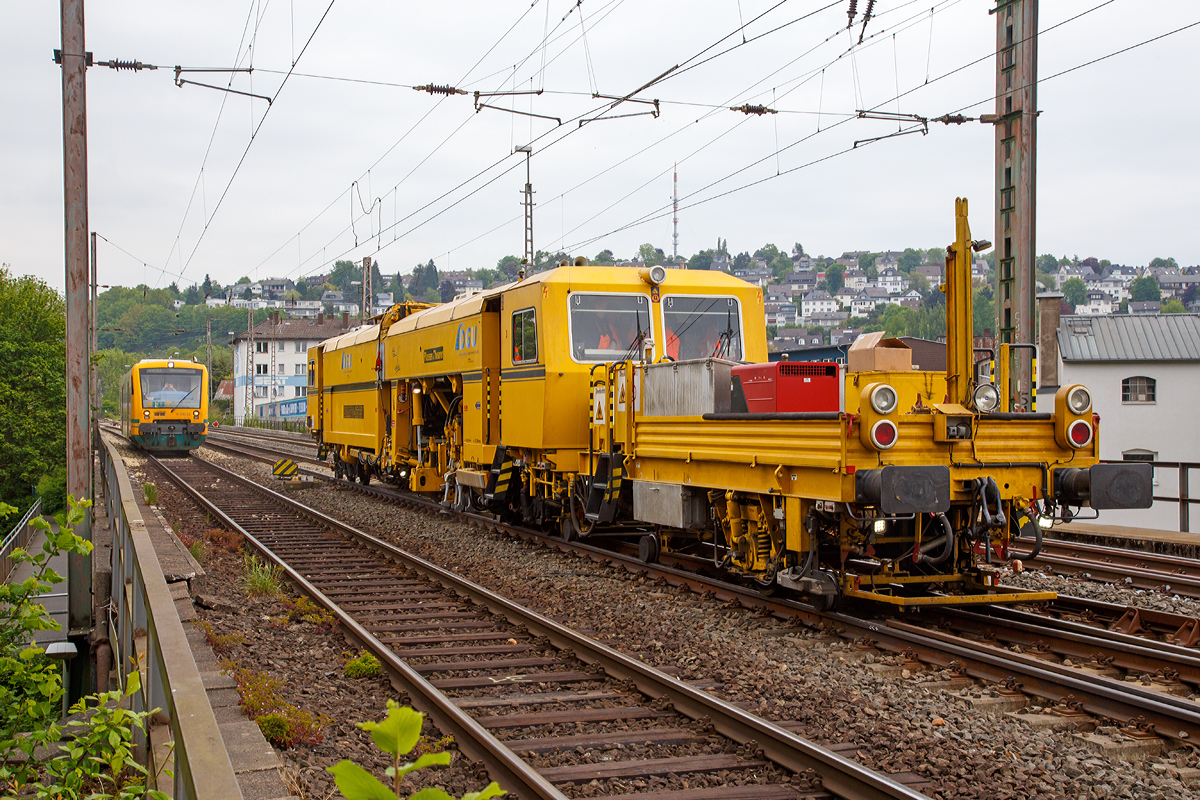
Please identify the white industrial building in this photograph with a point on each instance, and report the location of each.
(285, 376)
(1144, 375)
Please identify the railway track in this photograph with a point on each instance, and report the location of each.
(237, 444)
(506, 681)
(981, 645)
(1133, 568)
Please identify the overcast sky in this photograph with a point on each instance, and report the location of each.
(413, 176)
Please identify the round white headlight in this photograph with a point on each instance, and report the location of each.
(986, 398)
(171, 364)
(1079, 400)
(883, 399)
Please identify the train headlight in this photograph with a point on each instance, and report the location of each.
(195, 415)
(881, 526)
(884, 434)
(653, 275)
(1079, 433)
(146, 414)
(986, 398)
(171, 364)
(1080, 400)
(883, 399)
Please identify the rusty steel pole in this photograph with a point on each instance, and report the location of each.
(1016, 186)
(79, 462)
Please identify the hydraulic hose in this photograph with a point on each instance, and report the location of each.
(947, 538)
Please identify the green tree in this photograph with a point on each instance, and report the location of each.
(1173, 306)
(1047, 263)
(33, 400)
(797, 250)
(935, 255)
(248, 294)
(508, 266)
(835, 277)
(781, 266)
(910, 258)
(772, 332)
(702, 260)
(1075, 290)
(207, 285)
(1144, 289)
(1164, 263)
(920, 283)
(446, 291)
(604, 257)
(983, 307)
(741, 261)
(650, 255)
(866, 262)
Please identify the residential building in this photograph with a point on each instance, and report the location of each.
(1141, 372)
(799, 283)
(855, 278)
(867, 300)
(722, 262)
(844, 336)
(288, 341)
(780, 314)
(1176, 285)
(383, 301)
(1145, 306)
(818, 301)
(303, 308)
(465, 286)
(849, 259)
(339, 302)
(910, 299)
(891, 280)
(275, 288)
(759, 276)
(845, 296)
(1098, 302)
(828, 319)
(931, 273)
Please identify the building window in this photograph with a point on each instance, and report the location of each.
(301, 391)
(1139, 455)
(261, 347)
(524, 327)
(299, 369)
(260, 391)
(299, 347)
(1139, 389)
(261, 369)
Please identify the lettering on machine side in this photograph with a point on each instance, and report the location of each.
(352, 412)
(466, 338)
(433, 354)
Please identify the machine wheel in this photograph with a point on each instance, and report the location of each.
(648, 549)
(566, 528)
(364, 475)
(825, 602)
(338, 471)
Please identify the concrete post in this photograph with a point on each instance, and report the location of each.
(74, 66)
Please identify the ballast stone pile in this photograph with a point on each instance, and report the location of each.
(825, 685)
(1157, 600)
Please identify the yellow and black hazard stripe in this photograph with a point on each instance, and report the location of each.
(285, 468)
(502, 478)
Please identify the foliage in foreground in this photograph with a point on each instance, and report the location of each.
(97, 762)
(397, 735)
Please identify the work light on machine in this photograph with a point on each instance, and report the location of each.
(986, 398)
(1080, 400)
(883, 399)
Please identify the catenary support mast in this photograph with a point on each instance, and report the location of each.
(1016, 186)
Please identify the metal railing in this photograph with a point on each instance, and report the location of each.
(18, 537)
(147, 635)
(1183, 496)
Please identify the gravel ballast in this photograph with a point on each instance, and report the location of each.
(821, 687)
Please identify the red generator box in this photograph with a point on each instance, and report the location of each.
(788, 386)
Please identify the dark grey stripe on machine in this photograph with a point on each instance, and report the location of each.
(513, 374)
(351, 387)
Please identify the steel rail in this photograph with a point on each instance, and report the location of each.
(480, 745)
(1132, 572)
(839, 775)
(1080, 641)
(1096, 694)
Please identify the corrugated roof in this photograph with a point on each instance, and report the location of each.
(1166, 337)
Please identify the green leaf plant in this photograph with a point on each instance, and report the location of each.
(30, 683)
(398, 734)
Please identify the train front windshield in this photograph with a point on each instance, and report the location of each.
(171, 388)
(608, 327)
(702, 327)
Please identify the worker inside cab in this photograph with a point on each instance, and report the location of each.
(702, 327)
(608, 327)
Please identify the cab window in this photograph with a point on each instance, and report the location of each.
(524, 336)
(608, 327)
(171, 388)
(702, 327)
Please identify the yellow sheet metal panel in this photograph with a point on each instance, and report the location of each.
(352, 412)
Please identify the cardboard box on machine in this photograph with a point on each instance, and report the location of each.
(873, 353)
